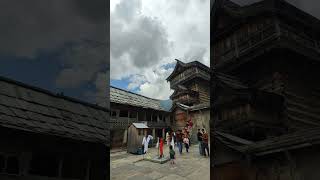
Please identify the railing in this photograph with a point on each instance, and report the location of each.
(186, 99)
(243, 43)
(292, 34)
(192, 72)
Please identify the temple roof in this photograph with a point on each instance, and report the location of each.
(121, 96)
(295, 140)
(27, 108)
(230, 81)
(181, 66)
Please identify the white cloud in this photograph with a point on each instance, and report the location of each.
(145, 35)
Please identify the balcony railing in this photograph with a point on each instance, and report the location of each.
(188, 74)
(243, 44)
(291, 33)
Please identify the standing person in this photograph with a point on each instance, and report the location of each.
(168, 138)
(161, 147)
(205, 139)
(172, 140)
(186, 143)
(199, 135)
(179, 140)
(172, 155)
(145, 142)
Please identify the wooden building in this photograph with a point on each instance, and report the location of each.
(191, 96)
(136, 132)
(128, 108)
(49, 136)
(265, 93)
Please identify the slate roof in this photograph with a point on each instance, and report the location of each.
(181, 66)
(295, 140)
(121, 96)
(35, 110)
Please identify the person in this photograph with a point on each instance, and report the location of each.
(161, 147)
(168, 138)
(179, 140)
(205, 139)
(186, 143)
(199, 135)
(145, 142)
(172, 155)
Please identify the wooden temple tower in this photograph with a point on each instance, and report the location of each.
(265, 60)
(191, 96)
(266, 55)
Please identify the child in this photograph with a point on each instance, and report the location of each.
(172, 155)
(186, 143)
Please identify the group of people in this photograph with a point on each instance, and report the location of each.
(180, 138)
(203, 139)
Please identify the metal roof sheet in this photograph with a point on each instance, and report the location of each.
(140, 125)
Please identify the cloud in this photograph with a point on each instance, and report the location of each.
(32, 27)
(146, 37)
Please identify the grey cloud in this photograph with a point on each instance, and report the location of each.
(28, 27)
(196, 53)
(143, 39)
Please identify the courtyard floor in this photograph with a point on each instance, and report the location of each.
(190, 165)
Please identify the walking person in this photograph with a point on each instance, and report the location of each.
(172, 155)
(145, 143)
(186, 143)
(179, 140)
(199, 135)
(205, 139)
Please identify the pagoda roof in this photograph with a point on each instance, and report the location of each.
(181, 66)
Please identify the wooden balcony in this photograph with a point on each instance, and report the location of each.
(261, 112)
(271, 34)
(241, 44)
(187, 75)
(187, 98)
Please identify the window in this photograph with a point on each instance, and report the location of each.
(9, 164)
(113, 113)
(133, 114)
(160, 117)
(44, 165)
(123, 113)
(12, 165)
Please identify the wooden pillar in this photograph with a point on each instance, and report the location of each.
(60, 167)
(88, 170)
(154, 134)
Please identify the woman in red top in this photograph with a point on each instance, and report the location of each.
(161, 147)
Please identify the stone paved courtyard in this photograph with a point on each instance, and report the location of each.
(190, 165)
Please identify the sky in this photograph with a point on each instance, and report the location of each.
(146, 37)
(60, 46)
